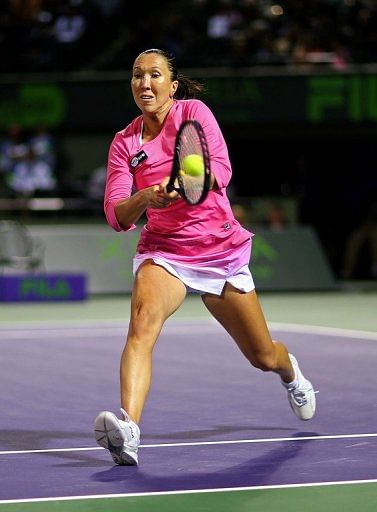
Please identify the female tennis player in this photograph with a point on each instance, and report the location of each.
(182, 247)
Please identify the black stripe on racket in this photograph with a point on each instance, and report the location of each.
(191, 142)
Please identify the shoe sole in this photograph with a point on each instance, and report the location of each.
(108, 434)
(107, 430)
(127, 460)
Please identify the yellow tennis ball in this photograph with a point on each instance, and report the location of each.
(193, 165)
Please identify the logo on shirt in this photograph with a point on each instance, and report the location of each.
(138, 158)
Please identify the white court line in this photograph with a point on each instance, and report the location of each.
(201, 443)
(325, 331)
(197, 324)
(95, 323)
(192, 491)
(88, 329)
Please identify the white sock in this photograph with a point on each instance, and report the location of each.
(290, 385)
(299, 378)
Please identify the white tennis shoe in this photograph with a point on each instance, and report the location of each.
(302, 397)
(120, 437)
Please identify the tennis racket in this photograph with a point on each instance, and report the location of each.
(191, 172)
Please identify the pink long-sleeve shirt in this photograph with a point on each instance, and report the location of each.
(184, 232)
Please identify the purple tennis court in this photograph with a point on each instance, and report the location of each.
(211, 421)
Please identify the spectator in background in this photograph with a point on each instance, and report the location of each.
(13, 148)
(43, 145)
(275, 217)
(221, 23)
(220, 27)
(303, 34)
(69, 30)
(31, 175)
(28, 163)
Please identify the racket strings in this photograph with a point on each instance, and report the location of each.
(190, 144)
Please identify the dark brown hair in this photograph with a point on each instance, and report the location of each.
(187, 88)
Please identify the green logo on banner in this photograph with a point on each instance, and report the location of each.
(34, 104)
(44, 289)
(332, 96)
(263, 258)
(118, 252)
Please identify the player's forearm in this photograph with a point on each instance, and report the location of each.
(128, 211)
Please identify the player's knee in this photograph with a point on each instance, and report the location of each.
(146, 320)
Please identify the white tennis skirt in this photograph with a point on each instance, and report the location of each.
(201, 279)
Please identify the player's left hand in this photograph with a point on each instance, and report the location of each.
(173, 195)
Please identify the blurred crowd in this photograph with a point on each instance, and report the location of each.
(65, 35)
(27, 163)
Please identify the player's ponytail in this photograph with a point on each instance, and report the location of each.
(187, 88)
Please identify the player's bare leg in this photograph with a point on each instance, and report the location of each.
(156, 295)
(242, 316)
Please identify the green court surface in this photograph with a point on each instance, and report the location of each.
(321, 498)
(344, 310)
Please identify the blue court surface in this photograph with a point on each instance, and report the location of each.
(217, 434)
